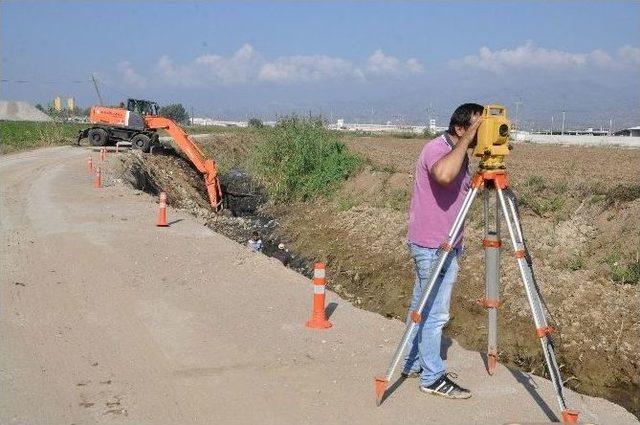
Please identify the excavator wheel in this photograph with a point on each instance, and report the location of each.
(98, 137)
(142, 142)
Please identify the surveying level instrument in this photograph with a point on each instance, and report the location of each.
(491, 148)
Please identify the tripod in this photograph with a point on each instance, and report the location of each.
(494, 182)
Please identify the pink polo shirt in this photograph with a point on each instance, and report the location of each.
(434, 207)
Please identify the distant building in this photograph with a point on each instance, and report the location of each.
(57, 103)
(631, 131)
(71, 104)
(377, 128)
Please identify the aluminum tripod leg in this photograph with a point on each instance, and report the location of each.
(491, 300)
(381, 383)
(543, 330)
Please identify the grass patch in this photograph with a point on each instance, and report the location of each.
(543, 206)
(576, 262)
(626, 274)
(346, 203)
(299, 160)
(18, 136)
(399, 199)
(623, 193)
(535, 183)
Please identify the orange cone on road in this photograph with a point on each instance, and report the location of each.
(162, 212)
(318, 316)
(90, 164)
(97, 183)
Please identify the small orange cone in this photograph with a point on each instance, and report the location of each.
(97, 183)
(318, 317)
(90, 164)
(162, 212)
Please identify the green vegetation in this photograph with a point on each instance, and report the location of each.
(626, 274)
(300, 159)
(18, 136)
(623, 193)
(255, 123)
(620, 272)
(576, 262)
(535, 183)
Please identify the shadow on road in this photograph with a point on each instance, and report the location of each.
(331, 307)
(529, 384)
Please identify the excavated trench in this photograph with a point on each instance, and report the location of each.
(246, 209)
(243, 197)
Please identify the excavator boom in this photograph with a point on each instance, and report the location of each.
(205, 165)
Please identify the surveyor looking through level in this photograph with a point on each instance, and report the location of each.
(441, 183)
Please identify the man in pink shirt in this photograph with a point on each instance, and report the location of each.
(441, 184)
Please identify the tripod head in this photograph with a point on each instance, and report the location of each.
(493, 138)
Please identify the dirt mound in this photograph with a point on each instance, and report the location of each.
(21, 111)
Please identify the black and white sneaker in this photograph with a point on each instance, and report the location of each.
(447, 388)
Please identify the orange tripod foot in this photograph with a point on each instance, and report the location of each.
(381, 388)
(492, 363)
(570, 416)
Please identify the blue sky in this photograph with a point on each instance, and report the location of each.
(359, 60)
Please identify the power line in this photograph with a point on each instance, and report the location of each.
(5, 80)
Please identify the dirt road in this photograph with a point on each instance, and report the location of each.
(107, 319)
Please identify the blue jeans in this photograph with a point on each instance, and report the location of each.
(424, 352)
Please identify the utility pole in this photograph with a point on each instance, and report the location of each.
(518, 103)
(562, 132)
(95, 84)
(610, 126)
(191, 116)
(551, 125)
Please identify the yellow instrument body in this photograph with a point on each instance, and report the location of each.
(493, 137)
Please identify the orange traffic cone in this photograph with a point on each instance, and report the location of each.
(318, 317)
(97, 183)
(162, 212)
(90, 164)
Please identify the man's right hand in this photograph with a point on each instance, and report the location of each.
(470, 133)
(445, 170)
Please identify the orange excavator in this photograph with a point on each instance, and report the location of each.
(138, 123)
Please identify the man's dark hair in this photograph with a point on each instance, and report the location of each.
(462, 116)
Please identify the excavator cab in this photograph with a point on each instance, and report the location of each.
(142, 107)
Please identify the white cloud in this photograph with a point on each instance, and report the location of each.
(239, 68)
(176, 75)
(381, 64)
(130, 76)
(414, 66)
(295, 69)
(531, 56)
(247, 65)
(629, 55)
